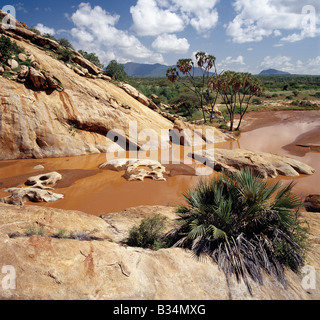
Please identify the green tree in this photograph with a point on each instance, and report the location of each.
(205, 63)
(116, 71)
(245, 225)
(92, 57)
(236, 90)
(65, 43)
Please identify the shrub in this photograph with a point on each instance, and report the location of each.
(81, 236)
(32, 231)
(8, 48)
(65, 43)
(244, 225)
(65, 54)
(92, 57)
(148, 234)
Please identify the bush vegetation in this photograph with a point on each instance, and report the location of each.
(245, 225)
(149, 234)
(8, 48)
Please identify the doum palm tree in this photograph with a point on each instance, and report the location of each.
(244, 224)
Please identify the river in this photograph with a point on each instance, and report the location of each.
(89, 189)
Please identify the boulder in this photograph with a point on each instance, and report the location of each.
(312, 203)
(137, 169)
(13, 63)
(22, 57)
(79, 59)
(264, 164)
(24, 72)
(145, 169)
(21, 195)
(37, 78)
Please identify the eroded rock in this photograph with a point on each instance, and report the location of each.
(43, 180)
(145, 169)
(137, 170)
(19, 196)
(264, 164)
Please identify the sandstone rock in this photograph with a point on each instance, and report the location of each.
(24, 72)
(93, 69)
(21, 195)
(104, 269)
(1, 70)
(136, 169)
(13, 63)
(38, 167)
(79, 72)
(36, 65)
(106, 78)
(264, 164)
(143, 169)
(191, 135)
(38, 79)
(36, 124)
(22, 57)
(43, 180)
(312, 203)
(117, 164)
(50, 79)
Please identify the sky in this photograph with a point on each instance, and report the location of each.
(243, 35)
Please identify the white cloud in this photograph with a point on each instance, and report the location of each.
(95, 31)
(230, 63)
(170, 43)
(286, 63)
(150, 20)
(43, 29)
(257, 19)
(155, 17)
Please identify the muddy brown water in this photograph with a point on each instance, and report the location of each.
(89, 189)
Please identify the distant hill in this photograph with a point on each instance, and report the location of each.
(145, 70)
(149, 70)
(273, 72)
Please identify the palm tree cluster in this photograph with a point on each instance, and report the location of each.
(245, 225)
(236, 89)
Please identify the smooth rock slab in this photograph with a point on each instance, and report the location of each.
(264, 164)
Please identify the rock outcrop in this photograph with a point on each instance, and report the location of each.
(38, 121)
(81, 257)
(264, 164)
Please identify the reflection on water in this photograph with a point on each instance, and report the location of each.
(102, 191)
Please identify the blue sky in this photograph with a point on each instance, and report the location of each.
(244, 35)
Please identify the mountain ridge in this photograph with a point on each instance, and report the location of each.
(134, 69)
